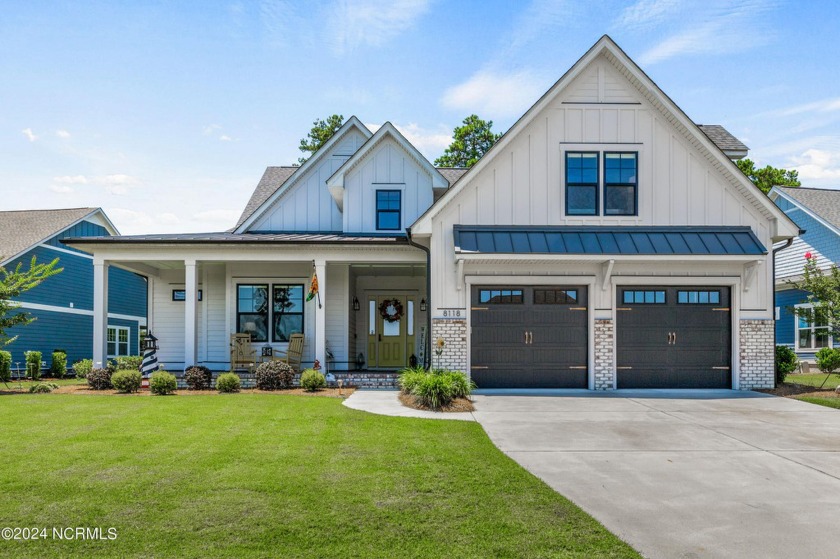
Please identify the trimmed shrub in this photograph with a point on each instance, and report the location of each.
(228, 382)
(786, 362)
(312, 380)
(274, 375)
(82, 368)
(5, 366)
(58, 368)
(434, 391)
(33, 364)
(99, 379)
(437, 388)
(410, 378)
(162, 383)
(198, 378)
(828, 359)
(126, 381)
(129, 362)
(42, 387)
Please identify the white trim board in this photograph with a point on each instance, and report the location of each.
(86, 312)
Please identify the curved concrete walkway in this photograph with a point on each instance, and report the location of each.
(385, 402)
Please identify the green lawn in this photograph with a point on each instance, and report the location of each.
(814, 379)
(828, 402)
(261, 475)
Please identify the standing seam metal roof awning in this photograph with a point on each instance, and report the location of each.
(710, 241)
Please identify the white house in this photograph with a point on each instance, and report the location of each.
(605, 241)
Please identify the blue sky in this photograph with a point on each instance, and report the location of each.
(166, 114)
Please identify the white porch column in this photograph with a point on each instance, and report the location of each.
(321, 314)
(190, 312)
(100, 312)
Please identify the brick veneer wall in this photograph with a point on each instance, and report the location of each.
(454, 334)
(757, 354)
(604, 354)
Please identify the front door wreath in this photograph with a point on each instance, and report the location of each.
(391, 310)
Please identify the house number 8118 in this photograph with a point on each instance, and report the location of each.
(452, 313)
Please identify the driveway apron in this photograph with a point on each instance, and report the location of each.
(683, 474)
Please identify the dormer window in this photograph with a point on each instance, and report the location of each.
(388, 210)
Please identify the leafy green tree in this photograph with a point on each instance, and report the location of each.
(322, 130)
(12, 284)
(768, 177)
(823, 290)
(469, 143)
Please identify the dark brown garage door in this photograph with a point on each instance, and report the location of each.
(673, 337)
(529, 337)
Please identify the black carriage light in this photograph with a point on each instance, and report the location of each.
(150, 342)
(356, 305)
(423, 305)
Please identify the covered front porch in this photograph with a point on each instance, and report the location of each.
(369, 314)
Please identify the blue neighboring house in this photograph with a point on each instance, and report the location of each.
(817, 211)
(63, 304)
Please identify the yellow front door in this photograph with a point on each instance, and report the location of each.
(389, 340)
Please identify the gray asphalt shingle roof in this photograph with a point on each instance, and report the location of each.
(608, 240)
(722, 138)
(820, 201)
(272, 179)
(22, 229)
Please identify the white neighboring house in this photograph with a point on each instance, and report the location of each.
(604, 242)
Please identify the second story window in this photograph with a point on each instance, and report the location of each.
(620, 183)
(589, 191)
(581, 183)
(388, 209)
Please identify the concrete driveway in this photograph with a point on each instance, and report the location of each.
(681, 474)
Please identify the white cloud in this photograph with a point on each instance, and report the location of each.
(118, 184)
(62, 188)
(210, 129)
(225, 138)
(355, 23)
(647, 13)
(539, 17)
(217, 220)
(63, 134)
(822, 106)
(494, 95)
(430, 143)
(74, 179)
(818, 165)
(30, 135)
(134, 222)
(713, 27)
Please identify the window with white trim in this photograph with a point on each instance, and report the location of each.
(811, 335)
(118, 337)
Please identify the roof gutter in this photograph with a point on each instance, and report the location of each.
(427, 351)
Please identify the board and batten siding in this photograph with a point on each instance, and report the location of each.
(387, 167)
(599, 111)
(308, 206)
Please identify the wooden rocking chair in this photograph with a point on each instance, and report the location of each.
(292, 356)
(242, 356)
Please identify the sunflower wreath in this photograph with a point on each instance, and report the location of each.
(391, 310)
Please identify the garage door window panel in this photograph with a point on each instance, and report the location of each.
(700, 297)
(501, 296)
(555, 296)
(644, 297)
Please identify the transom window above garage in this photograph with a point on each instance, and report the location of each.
(555, 296)
(501, 296)
(643, 297)
(591, 190)
(698, 297)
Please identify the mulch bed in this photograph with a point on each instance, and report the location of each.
(458, 405)
(788, 390)
(83, 389)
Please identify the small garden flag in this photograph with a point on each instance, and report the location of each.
(313, 288)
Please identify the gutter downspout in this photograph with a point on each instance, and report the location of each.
(775, 341)
(428, 349)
